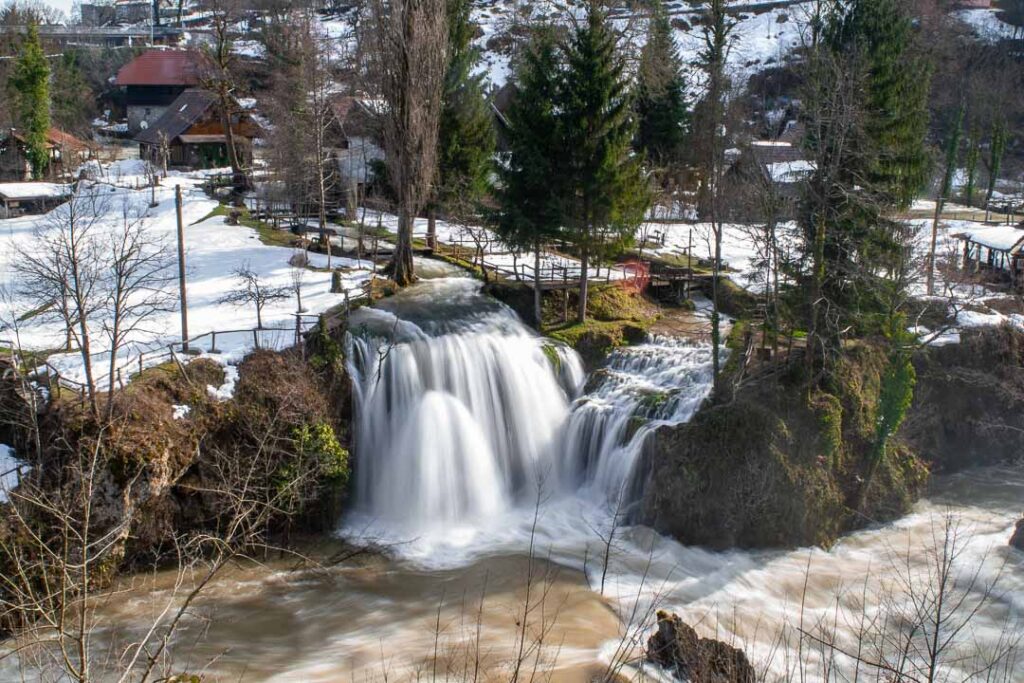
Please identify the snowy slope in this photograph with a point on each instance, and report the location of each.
(214, 250)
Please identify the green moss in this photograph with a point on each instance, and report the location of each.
(552, 353)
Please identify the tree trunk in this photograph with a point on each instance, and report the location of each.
(431, 228)
(581, 312)
(716, 318)
(537, 311)
(238, 178)
(401, 267)
(817, 283)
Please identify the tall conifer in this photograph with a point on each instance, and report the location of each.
(660, 103)
(529, 190)
(466, 130)
(605, 195)
(30, 85)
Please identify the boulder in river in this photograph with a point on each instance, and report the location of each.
(1017, 540)
(677, 648)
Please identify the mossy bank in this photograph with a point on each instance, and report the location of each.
(772, 466)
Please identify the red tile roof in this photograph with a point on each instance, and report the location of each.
(161, 67)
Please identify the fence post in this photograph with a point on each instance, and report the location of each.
(140, 363)
(213, 342)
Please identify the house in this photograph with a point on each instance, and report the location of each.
(153, 80)
(133, 11)
(780, 164)
(995, 249)
(501, 104)
(18, 199)
(355, 140)
(66, 153)
(191, 133)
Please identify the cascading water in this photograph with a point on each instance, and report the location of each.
(463, 413)
(660, 382)
(458, 414)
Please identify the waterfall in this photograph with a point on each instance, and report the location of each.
(662, 381)
(458, 414)
(463, 413)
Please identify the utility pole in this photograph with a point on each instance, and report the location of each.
(181, 270)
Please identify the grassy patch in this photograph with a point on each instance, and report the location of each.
(266, 232)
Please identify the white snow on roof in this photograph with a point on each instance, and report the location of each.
(33, 190)
(791, 171)
(987, 23)
(999, 237)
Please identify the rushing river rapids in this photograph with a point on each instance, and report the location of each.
(484, 456)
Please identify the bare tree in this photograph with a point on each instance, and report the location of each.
(137, 285)
(406, 55)
(299, 262)
(61, 269)
(254, 291)
(217, 75)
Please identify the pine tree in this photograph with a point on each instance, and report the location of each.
(868, 118)
(30, 85)
(466, 129)
(661, 107)
(605, 193)
(876, 34)
(529, 190)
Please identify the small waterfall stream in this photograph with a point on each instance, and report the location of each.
(463, 413)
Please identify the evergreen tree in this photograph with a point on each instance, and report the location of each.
(30, 86)
(529, 190)
(876, 35)
(867, 121)
(73, 99)
(997, 148)
(605, 195)
(661, 107)
(467, 130)
(971, 163)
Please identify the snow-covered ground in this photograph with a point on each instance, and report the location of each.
(214, 250)
(8, 471)
(497, 255)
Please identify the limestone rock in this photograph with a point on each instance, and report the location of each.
(677, 648)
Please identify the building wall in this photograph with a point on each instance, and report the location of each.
(14, 166)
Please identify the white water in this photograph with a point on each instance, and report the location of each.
(470, 446)
(464, 415)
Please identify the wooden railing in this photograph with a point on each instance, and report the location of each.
(273, 338)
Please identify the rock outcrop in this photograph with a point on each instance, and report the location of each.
(1017, 540)
(677, 648)
(772, 467)
(968, 405)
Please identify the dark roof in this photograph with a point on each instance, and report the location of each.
(179, 117)
(161, 67)
(354, 115)
(776, 152)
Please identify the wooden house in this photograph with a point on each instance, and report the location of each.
(18, 199)
(66, 154)
(996, 250)
(355, 140)
(155, 79)
(779, 165)
(191, 133)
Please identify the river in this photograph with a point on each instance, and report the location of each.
(496, 477)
